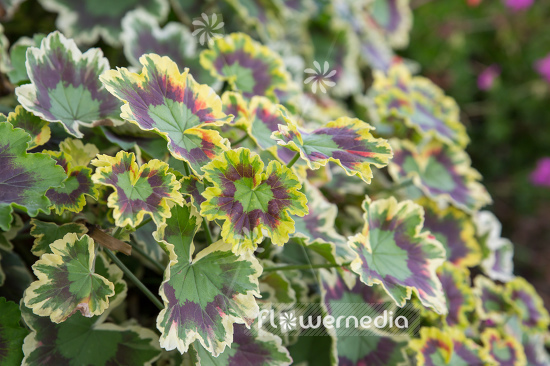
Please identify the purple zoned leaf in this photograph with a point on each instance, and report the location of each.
(265, 117)
(174, 105)
(400, 97)
(142, 35)
(441, 172)
(250, 67)
(504, 349)
(205, 294)
(24, 177)
(37, 128)
(455, 230)
(64, 84)
(339, 301)
(492, 303)
(250, 347)
(87, 341)
(67, 282)
(319, 224)
(71, 196)
(393, 252)
(86, 20)
(458, 293)
(138, 190)
(252, 202)
(345, 141)
(393, 18)
(234, 104)
(528, 304)
(448, 347)
(193, 188)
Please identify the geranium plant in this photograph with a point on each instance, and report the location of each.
(247, 154)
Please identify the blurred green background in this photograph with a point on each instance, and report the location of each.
(509, 125)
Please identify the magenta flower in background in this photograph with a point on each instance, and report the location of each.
(486, 79)
(543, 67)
(517, 5)
(541, 175)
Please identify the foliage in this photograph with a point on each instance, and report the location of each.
(255, 156)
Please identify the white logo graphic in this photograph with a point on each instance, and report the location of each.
(320, 77)
(287, 321)
(207, 29)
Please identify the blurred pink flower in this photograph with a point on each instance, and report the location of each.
(543, 67)
(517, 5)
(487, 77)
(541, 175)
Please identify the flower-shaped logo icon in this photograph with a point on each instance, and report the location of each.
(321, 77)
(207, 29)
(287, 320)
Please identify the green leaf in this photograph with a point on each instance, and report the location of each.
(67, 282)
(206, 294)
(11, 333)
(138, 190)
(345, 141)
(87, 341)
(64, 84)
(24, 177)
(37, 128)
(251, 200)
(79, 154)
(18, 57)
(46, 233)
(393, 252)
(178, 108)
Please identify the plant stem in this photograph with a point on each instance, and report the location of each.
(134, 279)
(142, 252)
(294, 159)
(206, 228)
(118, 232)
(144, 222)
(186, 168)
(239, 140)
(305, 267)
